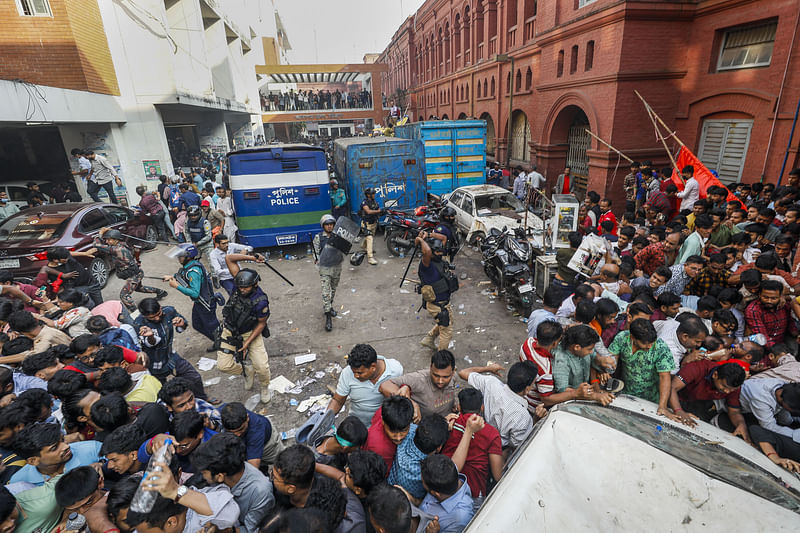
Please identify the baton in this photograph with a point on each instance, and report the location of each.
(278, 273)
(144, 240)
(408, 266)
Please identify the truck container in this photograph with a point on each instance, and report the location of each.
(455, 152)
(395, 168)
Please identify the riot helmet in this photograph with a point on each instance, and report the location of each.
(193, 211)
(357, 257)
(185, 252)
(369, 191)
(246, 277)
(448, 214)
(113, 234)
(326, 219)
(437, 246)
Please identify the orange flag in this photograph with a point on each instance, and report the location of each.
(703, 176)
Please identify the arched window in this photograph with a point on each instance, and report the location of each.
(528, 79)
(457, 35)
(560, 65)
(485, 92)
(573, 60)
(508, 83)
(468, 94)
(492, 86)
(589, 56)
(518, 81)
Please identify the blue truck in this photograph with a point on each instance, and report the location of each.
(395, 168)
(455, 152)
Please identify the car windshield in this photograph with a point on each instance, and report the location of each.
(707, 456)
(34, 226)
(497, 203)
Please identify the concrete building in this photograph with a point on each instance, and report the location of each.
(723, 74)
(150, 84)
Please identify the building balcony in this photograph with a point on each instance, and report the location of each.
(529, 29)
(493, 46)
(512, 38)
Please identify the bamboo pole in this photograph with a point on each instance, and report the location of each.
(653, 116)
(605, 143)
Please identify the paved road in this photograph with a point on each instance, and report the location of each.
(372, 309)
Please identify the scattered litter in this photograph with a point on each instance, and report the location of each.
(462, 312)
(206, 364)
(294, 330)
(280, 384)
(308, 403)
(463, 275)
(352, 290)
(319, 375)
(290, 322)
(252, 402)
(486, 292)
(483, 351)
(451, 345)
(467, 359)
(509, 307)
(345, 313)
(232, 377)
(212, 381)
(404, 291)
(384, 262)
(293, 402)
(494, 348)
(523, 319)
(484, 282)
(286, 435)
(333, 369)
(461, 306)
(298, 387)
(307, 358)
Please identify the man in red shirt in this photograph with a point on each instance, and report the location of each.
(481, 451)
(769, 315)
(698, 384)
(606, 214)
(658, 254)
(389, 426)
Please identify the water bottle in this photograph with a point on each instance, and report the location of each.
(76, 522)
(308, 249)
(144, 500)
(758, 338)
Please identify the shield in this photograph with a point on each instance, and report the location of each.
(345, 233)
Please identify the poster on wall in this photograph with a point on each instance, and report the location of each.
(152, 169)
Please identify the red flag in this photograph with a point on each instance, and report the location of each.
(703, 176)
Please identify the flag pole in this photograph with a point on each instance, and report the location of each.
(653, 116)
(605, 143)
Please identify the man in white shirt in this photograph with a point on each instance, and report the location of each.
(217, 258)
(691, 190)
(535, 179)
(225, 204)
(101, 176)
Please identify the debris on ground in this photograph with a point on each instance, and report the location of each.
(308, 403)
(280, 384)
(305, 358)
(212, 381)
(205, 364)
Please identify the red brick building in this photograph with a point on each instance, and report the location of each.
(716, 71)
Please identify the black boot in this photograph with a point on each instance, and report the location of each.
(328, 322)
(333, 312)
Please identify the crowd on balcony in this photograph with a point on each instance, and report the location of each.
(311, 100)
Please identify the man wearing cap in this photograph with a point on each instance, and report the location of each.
(6, 208)
(214, 217)
(369, 213)
(109, 242)
(330, 267)
(338, 200)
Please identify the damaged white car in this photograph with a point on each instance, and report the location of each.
(479, 208)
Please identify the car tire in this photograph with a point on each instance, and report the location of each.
(151, 235)
(100, 271)
(477, 238)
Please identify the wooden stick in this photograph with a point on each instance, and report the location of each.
(650, 114)
(654, 114)
(602, 141)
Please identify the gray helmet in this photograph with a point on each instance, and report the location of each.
(327, 219)
(436, 245)
(357, 257)
(193, 211)
(113, 234)
(246, 277)
(448, 214)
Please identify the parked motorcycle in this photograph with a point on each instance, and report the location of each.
(402, 228)
(505, 257)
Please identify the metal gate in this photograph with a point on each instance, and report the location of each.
(520, 137)
(578, 142)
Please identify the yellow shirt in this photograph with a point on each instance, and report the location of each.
(146, 388)
(690, 221)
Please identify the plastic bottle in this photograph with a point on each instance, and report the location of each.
(76, 522)
(308, 249)
(758, 338)
(144, 500)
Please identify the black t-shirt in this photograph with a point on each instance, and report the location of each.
(373, 205)
(72, 265)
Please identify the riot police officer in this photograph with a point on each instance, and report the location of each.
(198, 230)
(437, 283)
(369, 213)
(193, 281)
(330, 267)
(244, 328)
(446, 232)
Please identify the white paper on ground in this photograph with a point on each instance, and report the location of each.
(306, 358)
(280, 384)
(206, 364)
(212, 381)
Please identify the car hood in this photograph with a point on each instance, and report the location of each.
(509, 220)
(580, 474)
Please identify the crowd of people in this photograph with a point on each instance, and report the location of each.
(693, 307)
(311, 100)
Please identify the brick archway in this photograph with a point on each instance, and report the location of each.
(558, 120)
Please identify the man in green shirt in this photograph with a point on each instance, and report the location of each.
(572, 361)
(38, 508)
(721, 232)
(646, 364)
(696, 242)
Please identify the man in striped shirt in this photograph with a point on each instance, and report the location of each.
(539, 351)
